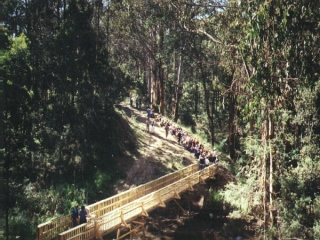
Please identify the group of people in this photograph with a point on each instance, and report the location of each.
(79, 216)
(204, 156)
(138, 102)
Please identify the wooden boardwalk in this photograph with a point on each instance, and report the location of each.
(117, 211)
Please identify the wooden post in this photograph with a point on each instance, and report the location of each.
(144, 232)
(118, 233)
(176, 195)
(189, 205)
(39, 233)
(97, 229)
(144, 212)
(98, 210)
(190, 188)
(161, 203)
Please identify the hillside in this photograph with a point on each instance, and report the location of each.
(154, 156)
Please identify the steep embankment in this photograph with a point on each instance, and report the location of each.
(154, 156)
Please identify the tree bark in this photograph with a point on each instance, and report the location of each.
(207, 105)
(231, 139)
(177, 90)
(161, 88)
(270, 133)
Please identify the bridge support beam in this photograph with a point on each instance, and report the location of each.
(161, 203)
(133, 231)
(123, 222)
(176, 195)
(190, 188)
(143, 211)
(181, 208)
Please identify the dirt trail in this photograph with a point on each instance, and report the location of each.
(156, 154)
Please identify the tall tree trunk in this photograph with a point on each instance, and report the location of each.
(264, 172)
(58, 13)
(270, 133)
(207, 105)
(161, 73)
(161, 87)
(148, 77)
(231, 139)
(196, 100)
(64, 9)
(154, 93)
(177, 90)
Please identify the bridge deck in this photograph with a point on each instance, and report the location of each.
(122, 208)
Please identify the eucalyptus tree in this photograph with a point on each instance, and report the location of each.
(214, 41)
(137, 40)
(279, 53)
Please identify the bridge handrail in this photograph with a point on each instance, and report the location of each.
(51, 229)
(113, 219)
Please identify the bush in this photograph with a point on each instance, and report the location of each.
(187, 119)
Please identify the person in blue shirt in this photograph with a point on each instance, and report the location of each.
(148, 112)
(83, 215)
(75, 215)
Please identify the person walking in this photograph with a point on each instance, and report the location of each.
(167, 129)
(179, 136)
(148, 112)
(83, 215)
(131, 101)
(152, 126)
(75, 216)
(202, 162)
(147, 125)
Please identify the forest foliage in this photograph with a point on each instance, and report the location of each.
(244, 72)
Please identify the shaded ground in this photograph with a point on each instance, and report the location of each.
(195, 215)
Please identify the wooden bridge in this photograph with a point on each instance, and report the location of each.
(118, 211)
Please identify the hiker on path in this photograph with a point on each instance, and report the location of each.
(131, 101)
(148, 112)
(152, 127)
(167, 129)
(147, 125)
(179, 136)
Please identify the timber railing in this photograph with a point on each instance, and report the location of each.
(51, 229)
(121, 216)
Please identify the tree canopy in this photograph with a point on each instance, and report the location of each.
(244, 73)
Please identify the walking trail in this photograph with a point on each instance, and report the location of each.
(156, 155)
